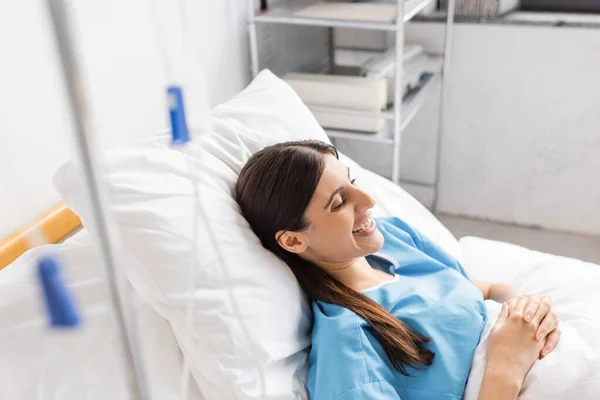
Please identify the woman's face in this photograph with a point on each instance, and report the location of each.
(341, 228)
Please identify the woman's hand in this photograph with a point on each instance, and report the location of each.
(538, 312)
(512, 349)
(512, 346)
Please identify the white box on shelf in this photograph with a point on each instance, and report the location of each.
(350, 92)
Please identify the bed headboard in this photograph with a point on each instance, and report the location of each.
(56, 224)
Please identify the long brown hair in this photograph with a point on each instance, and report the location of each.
(274, 190)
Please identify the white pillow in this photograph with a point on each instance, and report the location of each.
(251, 321)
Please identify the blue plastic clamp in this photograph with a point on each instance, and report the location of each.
(59, 303)
(179, 130)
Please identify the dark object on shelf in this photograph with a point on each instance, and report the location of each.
(412, 91)
(588, 6)
(347, 70)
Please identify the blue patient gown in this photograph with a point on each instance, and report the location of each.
(432, 294)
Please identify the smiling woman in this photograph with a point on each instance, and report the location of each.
(395, 316)
(295, 196)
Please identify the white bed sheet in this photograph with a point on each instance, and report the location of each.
(572, 370)
(39, 363)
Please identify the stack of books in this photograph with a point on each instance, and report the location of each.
(482, 8)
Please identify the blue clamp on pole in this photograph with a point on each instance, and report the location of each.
(59, 303)
(179, 130)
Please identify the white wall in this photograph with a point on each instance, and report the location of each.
(522, 136)
(125, 78)
(522, 141)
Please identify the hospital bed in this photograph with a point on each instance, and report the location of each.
(250, 331)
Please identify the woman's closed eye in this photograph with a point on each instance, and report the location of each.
(342, 203)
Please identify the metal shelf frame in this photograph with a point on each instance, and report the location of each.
(401, 113)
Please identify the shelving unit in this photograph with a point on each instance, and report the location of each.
(285, 15)
(402, 111)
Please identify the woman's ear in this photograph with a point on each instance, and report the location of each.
(294, 242)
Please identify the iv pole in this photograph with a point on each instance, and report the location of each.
(119, 294)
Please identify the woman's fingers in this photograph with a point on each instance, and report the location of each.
(551, 342)
(511, 303)
(543, 309)
(503, 316)
(519, 307)
(531, 307)
(549, 324)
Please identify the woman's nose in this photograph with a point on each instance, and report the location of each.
(364, 200)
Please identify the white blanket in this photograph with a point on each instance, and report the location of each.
(572, 370)
(87, 363)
